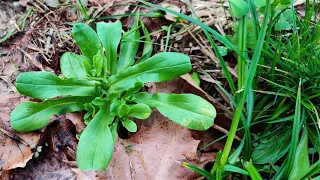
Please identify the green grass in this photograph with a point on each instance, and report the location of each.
(277, 92)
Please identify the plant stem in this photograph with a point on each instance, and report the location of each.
(242, 42)
(248, 83)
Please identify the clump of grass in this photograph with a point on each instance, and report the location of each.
(278, 90)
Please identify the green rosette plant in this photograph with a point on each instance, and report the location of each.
(107, 86)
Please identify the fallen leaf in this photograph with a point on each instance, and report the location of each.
(155, 150)
(52, 3)
(77, 120)
(173, 7)
(56, 156)
(16, 148)
(102, 2)
(120, 7)
(151, 153)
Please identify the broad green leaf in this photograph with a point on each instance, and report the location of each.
(110, 35)
(45, 85)
(148, 46)
(253, 172)
(301, 161)
(87, 40)
(72, 66)
(98, 64)
(271, 149)
(161, 67)
(29, 116)
(96, 143)
(123, 110)
(261, 3)
(239, 8)
(288, 15)
(282, 25)
(99, 101)
(136, 88)
(139, 111)
(129, 46)
(223, 50)
(129, 125)
(188, 110)
(114, 107)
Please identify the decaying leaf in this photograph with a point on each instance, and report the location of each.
(151, 153)
(56, 154)
(16, 148)
(120, 6)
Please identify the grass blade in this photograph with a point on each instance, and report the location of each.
(253, 172)
(295, 134)
(248, 83)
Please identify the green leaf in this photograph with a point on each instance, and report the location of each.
(196, 78)
(72, 66)
(230, 168)
(129, 45)
(223, 50)
(81, 6)
(113, 129)
(114, 107)
(45, 85)
(161, 67)
(129, 125)
(29, 116)
(147, 47)
(261, 3)
(139, 111)
(198, 170)
(234, 157)
(136, 88)
(239, 8)
(98, 64)
(271, 149)
(253, 172)
(301, 161)
(123, 110)
(282, 25)
(96, 143)
(110, 35)
(188, 110)
(87, 40)
(216, 163)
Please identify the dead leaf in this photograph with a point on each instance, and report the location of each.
(56, 157)
(77, 120)
(102, 2)
(14, 153)
(151, 153)
(120, 7)
(173, 7)
(49, 167)
(52, 3)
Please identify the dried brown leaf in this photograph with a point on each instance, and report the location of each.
(16, 148)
